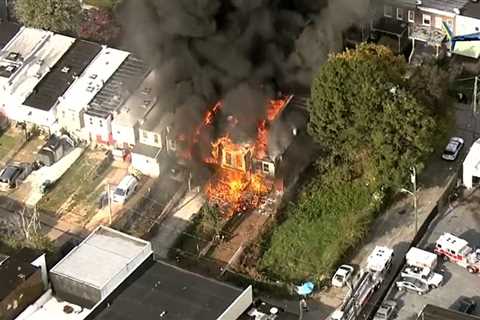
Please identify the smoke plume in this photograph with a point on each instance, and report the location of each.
(242, 51)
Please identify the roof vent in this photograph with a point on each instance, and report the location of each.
(419, 2)
(65, 69)
(456, 10)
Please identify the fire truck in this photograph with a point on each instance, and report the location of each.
(379, 263)
(457, 250)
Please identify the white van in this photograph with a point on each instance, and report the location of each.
(125, 189)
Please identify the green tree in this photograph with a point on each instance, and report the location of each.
(363, 109)
(53, 15)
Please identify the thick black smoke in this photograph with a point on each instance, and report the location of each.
(243, 51)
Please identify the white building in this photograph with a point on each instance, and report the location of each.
(101, 110)
(84, 278)
(75, 100)
(150, 154)
(30, 55)
(42, 102)
(126, 123)
(471, 165)
(468, 22)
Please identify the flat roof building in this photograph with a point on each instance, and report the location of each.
(29, 70)
(63, 74)
(431, 312)
(178, 295)
(21, 278)
(87, 275)
(118, 88)
(77, 97)
(7, 31)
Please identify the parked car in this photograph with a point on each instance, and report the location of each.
(466, 305)
(343, 274)
(27, 168)
(432, 279)
(453, 148)
(386, 310)
(412, 284)
(125, 189)
(8, 177)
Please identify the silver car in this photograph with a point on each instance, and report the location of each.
(386, 310)
(453, 148)
(412, 284)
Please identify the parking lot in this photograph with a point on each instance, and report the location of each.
(463, 220)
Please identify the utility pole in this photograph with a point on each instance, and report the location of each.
(109, 197)
(475, 92)
(413, 180)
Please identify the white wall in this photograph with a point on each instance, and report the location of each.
(148, 138)
(466, 25)
(146, 165)
(98, 127)
(239, 306)
(32, 115)
(124, 133)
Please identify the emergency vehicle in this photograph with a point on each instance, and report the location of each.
(379, 263)
(457, 250)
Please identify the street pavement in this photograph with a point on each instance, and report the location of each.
(396, 227)
(463, 220)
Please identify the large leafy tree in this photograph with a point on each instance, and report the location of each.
(53, 15)
(99, 25)
(363, 109)
(370, 111)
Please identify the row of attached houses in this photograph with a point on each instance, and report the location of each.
(420, 22)
(96, 93)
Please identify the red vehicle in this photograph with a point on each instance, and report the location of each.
(457, 250)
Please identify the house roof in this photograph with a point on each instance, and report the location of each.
(444, 5)
(431, 312)
(100, 257)
(137, 106)
(182, 295)
(471, 10)
(15, 269)
(37, 64)
(118, 88)
(146, 150)
(66, 70)
(92, 80)
(7, 31)
(157, 120)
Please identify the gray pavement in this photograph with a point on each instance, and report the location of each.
(464, 221)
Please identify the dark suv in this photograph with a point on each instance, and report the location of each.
(466, 305)
(8, 177)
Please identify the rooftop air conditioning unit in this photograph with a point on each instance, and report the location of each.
(419, 2)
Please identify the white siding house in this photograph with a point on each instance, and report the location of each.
(150, 154)
(126, 123)
(40, 63)
(70, 111)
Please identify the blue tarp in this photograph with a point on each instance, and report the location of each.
(305, 289)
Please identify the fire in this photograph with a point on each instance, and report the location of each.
(237, 186)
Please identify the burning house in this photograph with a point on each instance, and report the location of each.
(246, 167)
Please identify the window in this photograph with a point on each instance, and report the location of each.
(399, 14)
(388, 11)
(155, 138)
(63, 114)
(144, 134)
(411, 16)
(265, 167)
(90, 120)
(228, 158)
(100, 123)
(427, 20)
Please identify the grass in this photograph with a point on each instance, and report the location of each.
(7, 144)
(80, 181)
